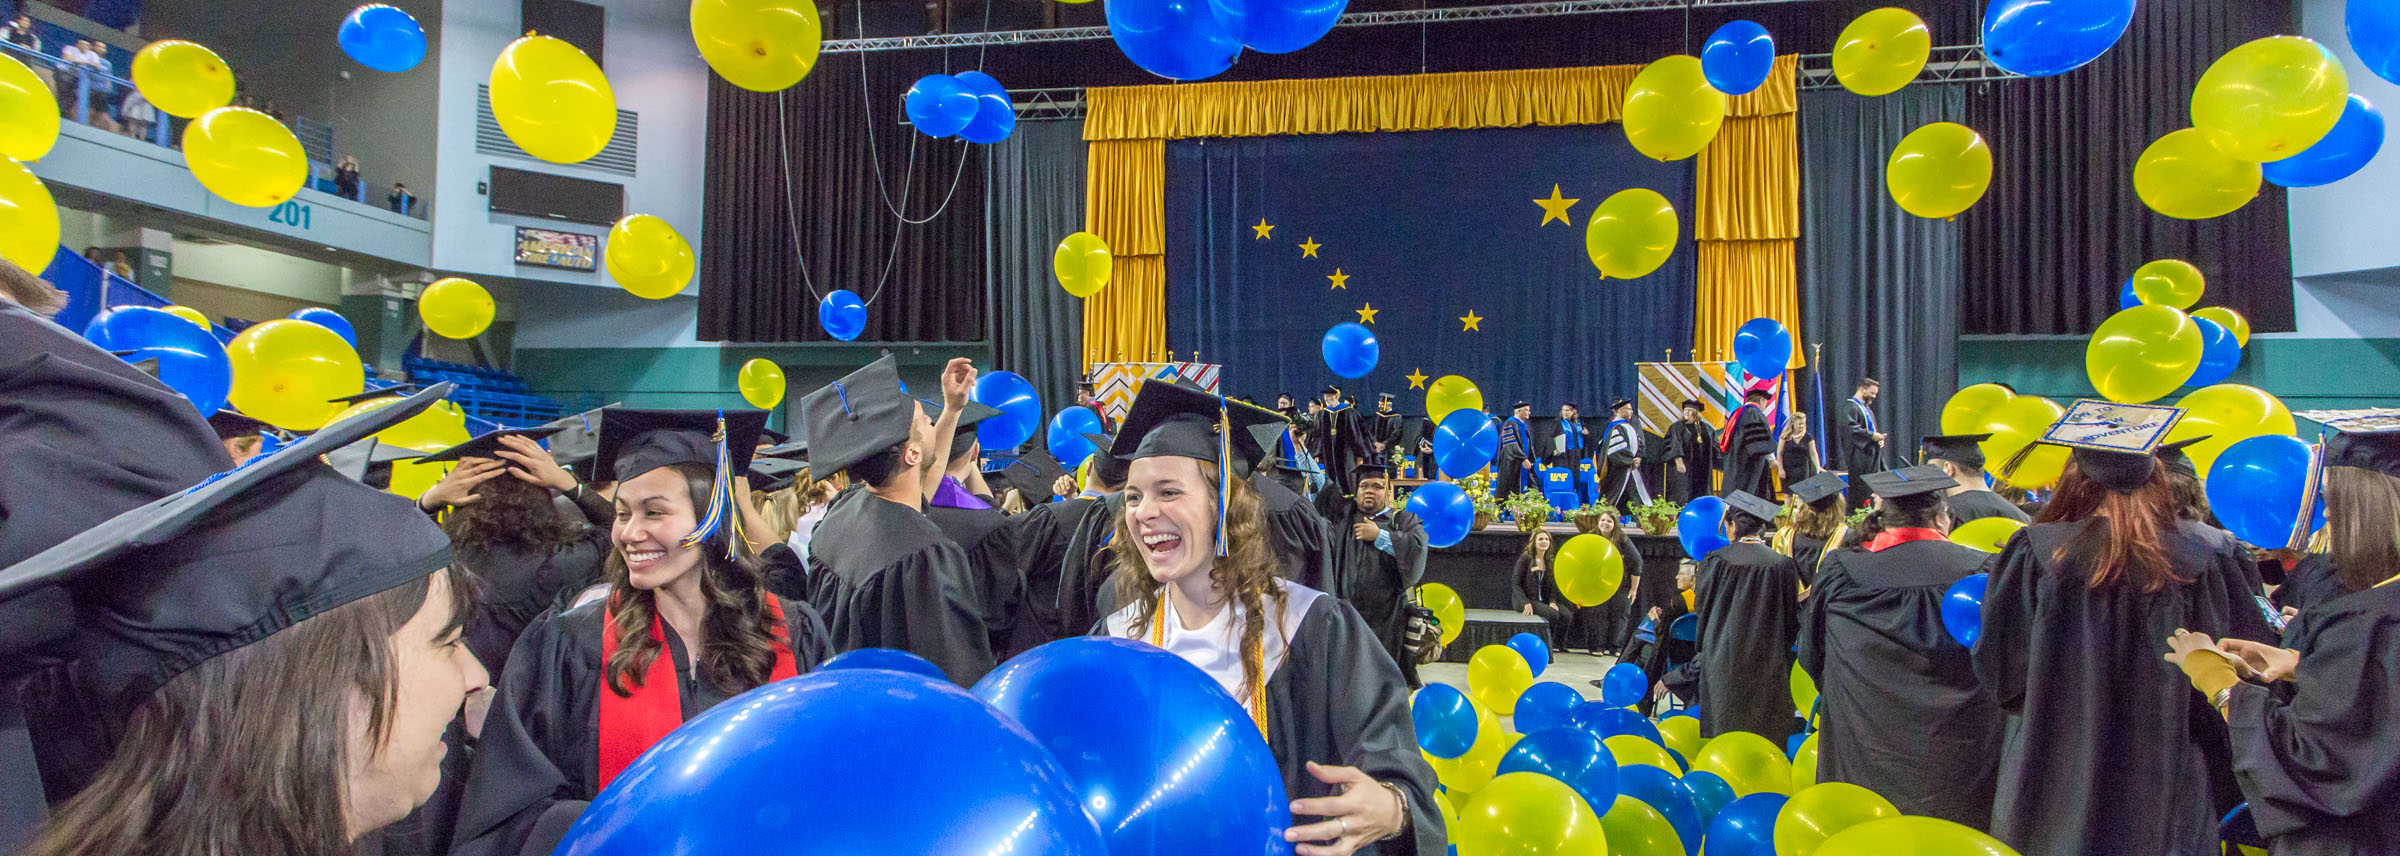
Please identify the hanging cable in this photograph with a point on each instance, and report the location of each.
(783, 137)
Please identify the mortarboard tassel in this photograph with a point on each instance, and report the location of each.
(1224, 469)
(720, 496)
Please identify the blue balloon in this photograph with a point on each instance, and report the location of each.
(2220, 354)
(995, 118)
(1535, 651)
(1661, 790)
(2344, 150)
(1681, 711)
(1763, 347)
(1745, 827)
(1569, 755)
(940, 105)
(1962, 608)
(190, 359)
(1623, 685)
(1277, 26)
(1065, 437)
(2126, 299)
(2040, 38)
(1710, 793)
(1174, 39)
(842, 314)
(329, 320)
(1351, 350)
(1445, 510)
(1163, 759)
(1548, 704)
(1019, 405)
(1737, 57)
(1464, 442)
(1605, 722)
(924, 768)
(382, 38)
(1700, 526)
(2257, 487)
(2374, 30)
(887, 659)
(1445, 720)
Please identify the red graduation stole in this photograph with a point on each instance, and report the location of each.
(629, 725)
(1895, 537)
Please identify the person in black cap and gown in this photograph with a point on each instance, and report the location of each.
(497, 505)
(686, 624)
(1201, 583)
(1380, 551)
(1298, 529)
(970, 521)
(1820, 522)
(1085, 562)
(1748, 446)
(1513, 470)
(1960, 456)
(1748, 600)
(885, 576)
(1692, 446)
(1903, 713)
(242, 436)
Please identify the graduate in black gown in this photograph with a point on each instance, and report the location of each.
(1748, 599)
(2316, 764)
(505, 528)
(1041, 541)
(2074, 619)
(1820, 522)
(968, 518)
(1903, 714)
(1961, 457)
(1202, 584)
(583, 695)
(1084, 563)
(1748, 447)
(1692, 451)
(1380, 551)
(1302, 538)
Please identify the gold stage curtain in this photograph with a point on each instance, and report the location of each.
(1748, 197)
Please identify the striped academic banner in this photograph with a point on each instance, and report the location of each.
(1115, 383)
(1717, 386)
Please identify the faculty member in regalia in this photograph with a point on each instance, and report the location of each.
(1748, 446)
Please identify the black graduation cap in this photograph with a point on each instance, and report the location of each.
(250, 552)
(1369, 468)
(1107, 468)
(853, 419)
(1744, 502)
(772, 474)
(358, 460)
(796, 450)
(1622, 402)
(970, 414)
(2171, 456)
(2368, 447)
(230, 423)
(1965, 450)
(1520, 403)
(1384, 397)
(1329, 390)
(1819, 487)
(1909, 481)
(1171, 419)
(633, 442)
(394, 391)
(488, 445)
(1270, 437)
(1691, 404)
(1035, 472)
(578, 437)
(772, 437)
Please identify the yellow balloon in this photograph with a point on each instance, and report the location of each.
(1819, 812)
(28, 112)
(2181, 176)
(1475, 769)
(286, 373)
(1527, 814)
(1881, 51)
(1748, 762)
(1804, 690)
(182, 79)
(1636, 829)
(1636, 749)
(1987, 534)
(759, 45)
(2144, 353)
(412, 479)
(648, 257)
(1451, 393)
(1496, 675)
(189, 314)
(761, 382)
(455, 308)
(1447, 608)
(2232, 321)
(2270, 99)
(28, 218)
(1804, 763)
(1912, 836)
(245, 157)
(1939, 170)
(1441, 803)
(2169, 282)
(552, 101)
(1082, 264)
(2014, 426)
(1631, 233)
(1682, 734)
(435, 428)
(2228, 413)
(1671, 112)
(1589, 570)
(1964, 412)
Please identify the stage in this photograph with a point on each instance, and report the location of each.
(1479, 569)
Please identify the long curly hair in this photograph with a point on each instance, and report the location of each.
(512, 513)
(736, 650)
(1247, 572)
(2128, 545)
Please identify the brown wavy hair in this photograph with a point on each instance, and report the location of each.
(736, 650)
(512, 513)
(1247, 572)
(1820, 523)
(2362, 515)
(2128, 544)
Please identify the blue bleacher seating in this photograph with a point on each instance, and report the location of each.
(491, 394)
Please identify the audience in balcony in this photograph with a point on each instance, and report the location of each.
(20, 33)
(401, 200)
(345, 177)
(139, 115)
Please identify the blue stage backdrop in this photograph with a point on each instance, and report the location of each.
(1273, 240)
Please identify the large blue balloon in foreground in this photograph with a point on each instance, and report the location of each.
(1464, 442)
(1020, 409)
(2346, 149)
(2040, 38)
(1174, 39)
(1160, 755)
(851, 761)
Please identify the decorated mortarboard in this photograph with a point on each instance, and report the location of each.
(857, 417)
(393, 391)
(2367, 438)
(1746, 503)
(1169, 419)
(1909, 481)
(359, 460)
(488, 444)
(1819, 487)
(251, 551)
(1965, 450)
(2114, 444)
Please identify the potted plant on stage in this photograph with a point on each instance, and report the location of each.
(1587, 518)
(1657, 517)
(1529, 509)
(1479, 489)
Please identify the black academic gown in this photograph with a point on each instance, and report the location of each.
(1969, 505)
(1516, 447)
(1377, 583)
(1695, 445)
(1341, 441)
(1748, 598)
(2320, 771)
(538, 762)
(1087, 572)
(2102, 747)
(1298, 533)
(1041, 535)
(2310, 582)
(1749, 454)
(991, 550)
(1903, 713)
(519, 584)
(1387, 432)
(1859, 452)
(886, 577)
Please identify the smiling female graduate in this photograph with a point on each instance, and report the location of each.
(1304, 664)
(687, 623)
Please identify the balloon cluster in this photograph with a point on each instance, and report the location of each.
(969, 105)
(2278, 108)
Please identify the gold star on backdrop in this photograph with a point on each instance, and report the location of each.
(1308, 248)
(1555, 207)
(1340, 280)
(1262, 229)
(1471, 320)
(1367, 315)
(1416, 378)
